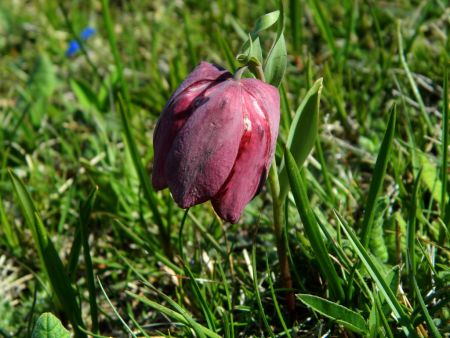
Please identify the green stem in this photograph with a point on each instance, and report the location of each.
(277, 204)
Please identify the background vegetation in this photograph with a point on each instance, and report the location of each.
(83, 236)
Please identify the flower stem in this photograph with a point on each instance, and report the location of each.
(277, 204)
(238, 74)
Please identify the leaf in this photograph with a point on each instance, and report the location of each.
(49, 326)
(322, 21)
(85, 212)
(265, 21)
(276, 62)
(348, 318)
(48, 256)
(40, 86)
(311, 227)
(252, 46)
(85, 94)
(378, 177)
(444, 165)
(251, 50)
(303, 132)
(380, 280)
(180, 315)
(144, 179)
(430, 177)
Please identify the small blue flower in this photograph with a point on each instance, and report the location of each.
(87, 33)
(74, 46)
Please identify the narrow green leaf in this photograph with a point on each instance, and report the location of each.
(188, 36)
(49, 257)
(373, 322)
(295, 14)
(423, 112)
(303, 132)
(424, 310)
(148, 191)
(114, 49)
(444, 165)
(265, 21)
(85, 94)
(41, 85)
(127, 328)
(251, 50)
(396, 308)
(276, 63)
(49, 326)
(378, 177)
(322, 22)
(85, 212)
(226, 50)
(430, 175)
(209, 315)
(342, 315)
(262, 314)
(411, 232)
(8, 229)
(252, 46)
(311, 227)
(274, 300)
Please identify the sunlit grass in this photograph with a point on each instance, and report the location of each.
(366, 227)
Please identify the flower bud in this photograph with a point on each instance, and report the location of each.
(215, 140)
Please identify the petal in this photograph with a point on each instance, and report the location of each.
(266, 99)
(176, 112)
(205, 149)
(205, 71)
(249, 171)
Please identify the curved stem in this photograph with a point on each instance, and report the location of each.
(238, 74)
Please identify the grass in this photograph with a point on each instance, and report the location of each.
(83, 235)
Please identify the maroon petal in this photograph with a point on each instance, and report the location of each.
(267, 99)
(176, 112)
(203, 72)
(250, 166)
(204, 151)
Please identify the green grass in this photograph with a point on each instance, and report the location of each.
(83, 235)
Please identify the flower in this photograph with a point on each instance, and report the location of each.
(74, 46)
(215, 140)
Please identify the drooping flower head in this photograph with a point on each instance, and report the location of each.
(215, 140)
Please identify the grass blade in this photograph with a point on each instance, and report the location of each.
(115, 310)
(198, 294)
(412, 83)
(85, 212)
(144, 179)
(258, 295)
(397, 309)
(322, 21)
(274, 299)
(378, 177)
(49, 257)
(411, 232)
(7, 228)
(444, 169)
(312, 229)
